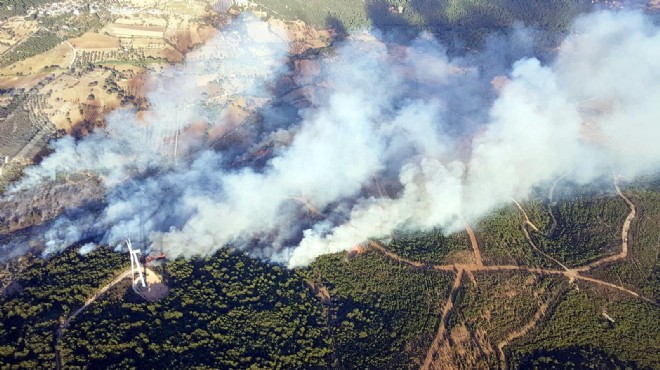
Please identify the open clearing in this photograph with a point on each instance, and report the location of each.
(24, 82)
(59, 56)
(69, 99)
(14, 30)
(95, 41)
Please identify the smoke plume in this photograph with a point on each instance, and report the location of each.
(394, 137)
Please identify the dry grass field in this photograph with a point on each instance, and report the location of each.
(59, 56)
(21, 82)
(95, 41)
(125, 30)
(15, 30)
(69, 100)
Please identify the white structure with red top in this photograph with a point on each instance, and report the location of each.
(136, 266)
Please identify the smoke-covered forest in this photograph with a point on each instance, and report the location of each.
(359, 311)
(471, 20)
(394, 184)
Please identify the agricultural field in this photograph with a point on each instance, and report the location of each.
(76, 101)
(39, 42)
(91, 41)
(15, 30)
(24, 130)
(59, 57)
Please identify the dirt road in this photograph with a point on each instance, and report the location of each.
(521, 332)
(571, 274)
(527, 220)
(75, 313)
(93, 298)
(475, 245)
(393, 256)
(529, 240)
(625, 230)
(442, 329)
(73, 57)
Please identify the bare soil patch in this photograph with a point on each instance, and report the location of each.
(155, 289)
(25, 82)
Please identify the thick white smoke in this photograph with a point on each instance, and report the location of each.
(440, 143)
(592, 111)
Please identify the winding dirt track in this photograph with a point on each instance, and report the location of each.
(527, 220)
(475, 245)
(443, 322)
(571, 274)
(521, 332)
(529, 223)
(625, 230)
(75, 313)
(551, 195)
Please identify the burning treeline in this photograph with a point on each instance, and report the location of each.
(289, 161)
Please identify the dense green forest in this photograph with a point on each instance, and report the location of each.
(642, 269)
(368, 312)
(578, 226)
(433, 247)
(228, 310)
(578, 334)
(40, 296)
(470, 17)
(383, 314)
(501, 302)
(587, 224)
(574, 358)
(503, 241)
(492, 305)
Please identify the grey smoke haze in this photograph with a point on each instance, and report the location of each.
(398, 137)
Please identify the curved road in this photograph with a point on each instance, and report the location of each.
(73, 58)
(571, 274)
(443, 322)
(625, 230)
(75, 313)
